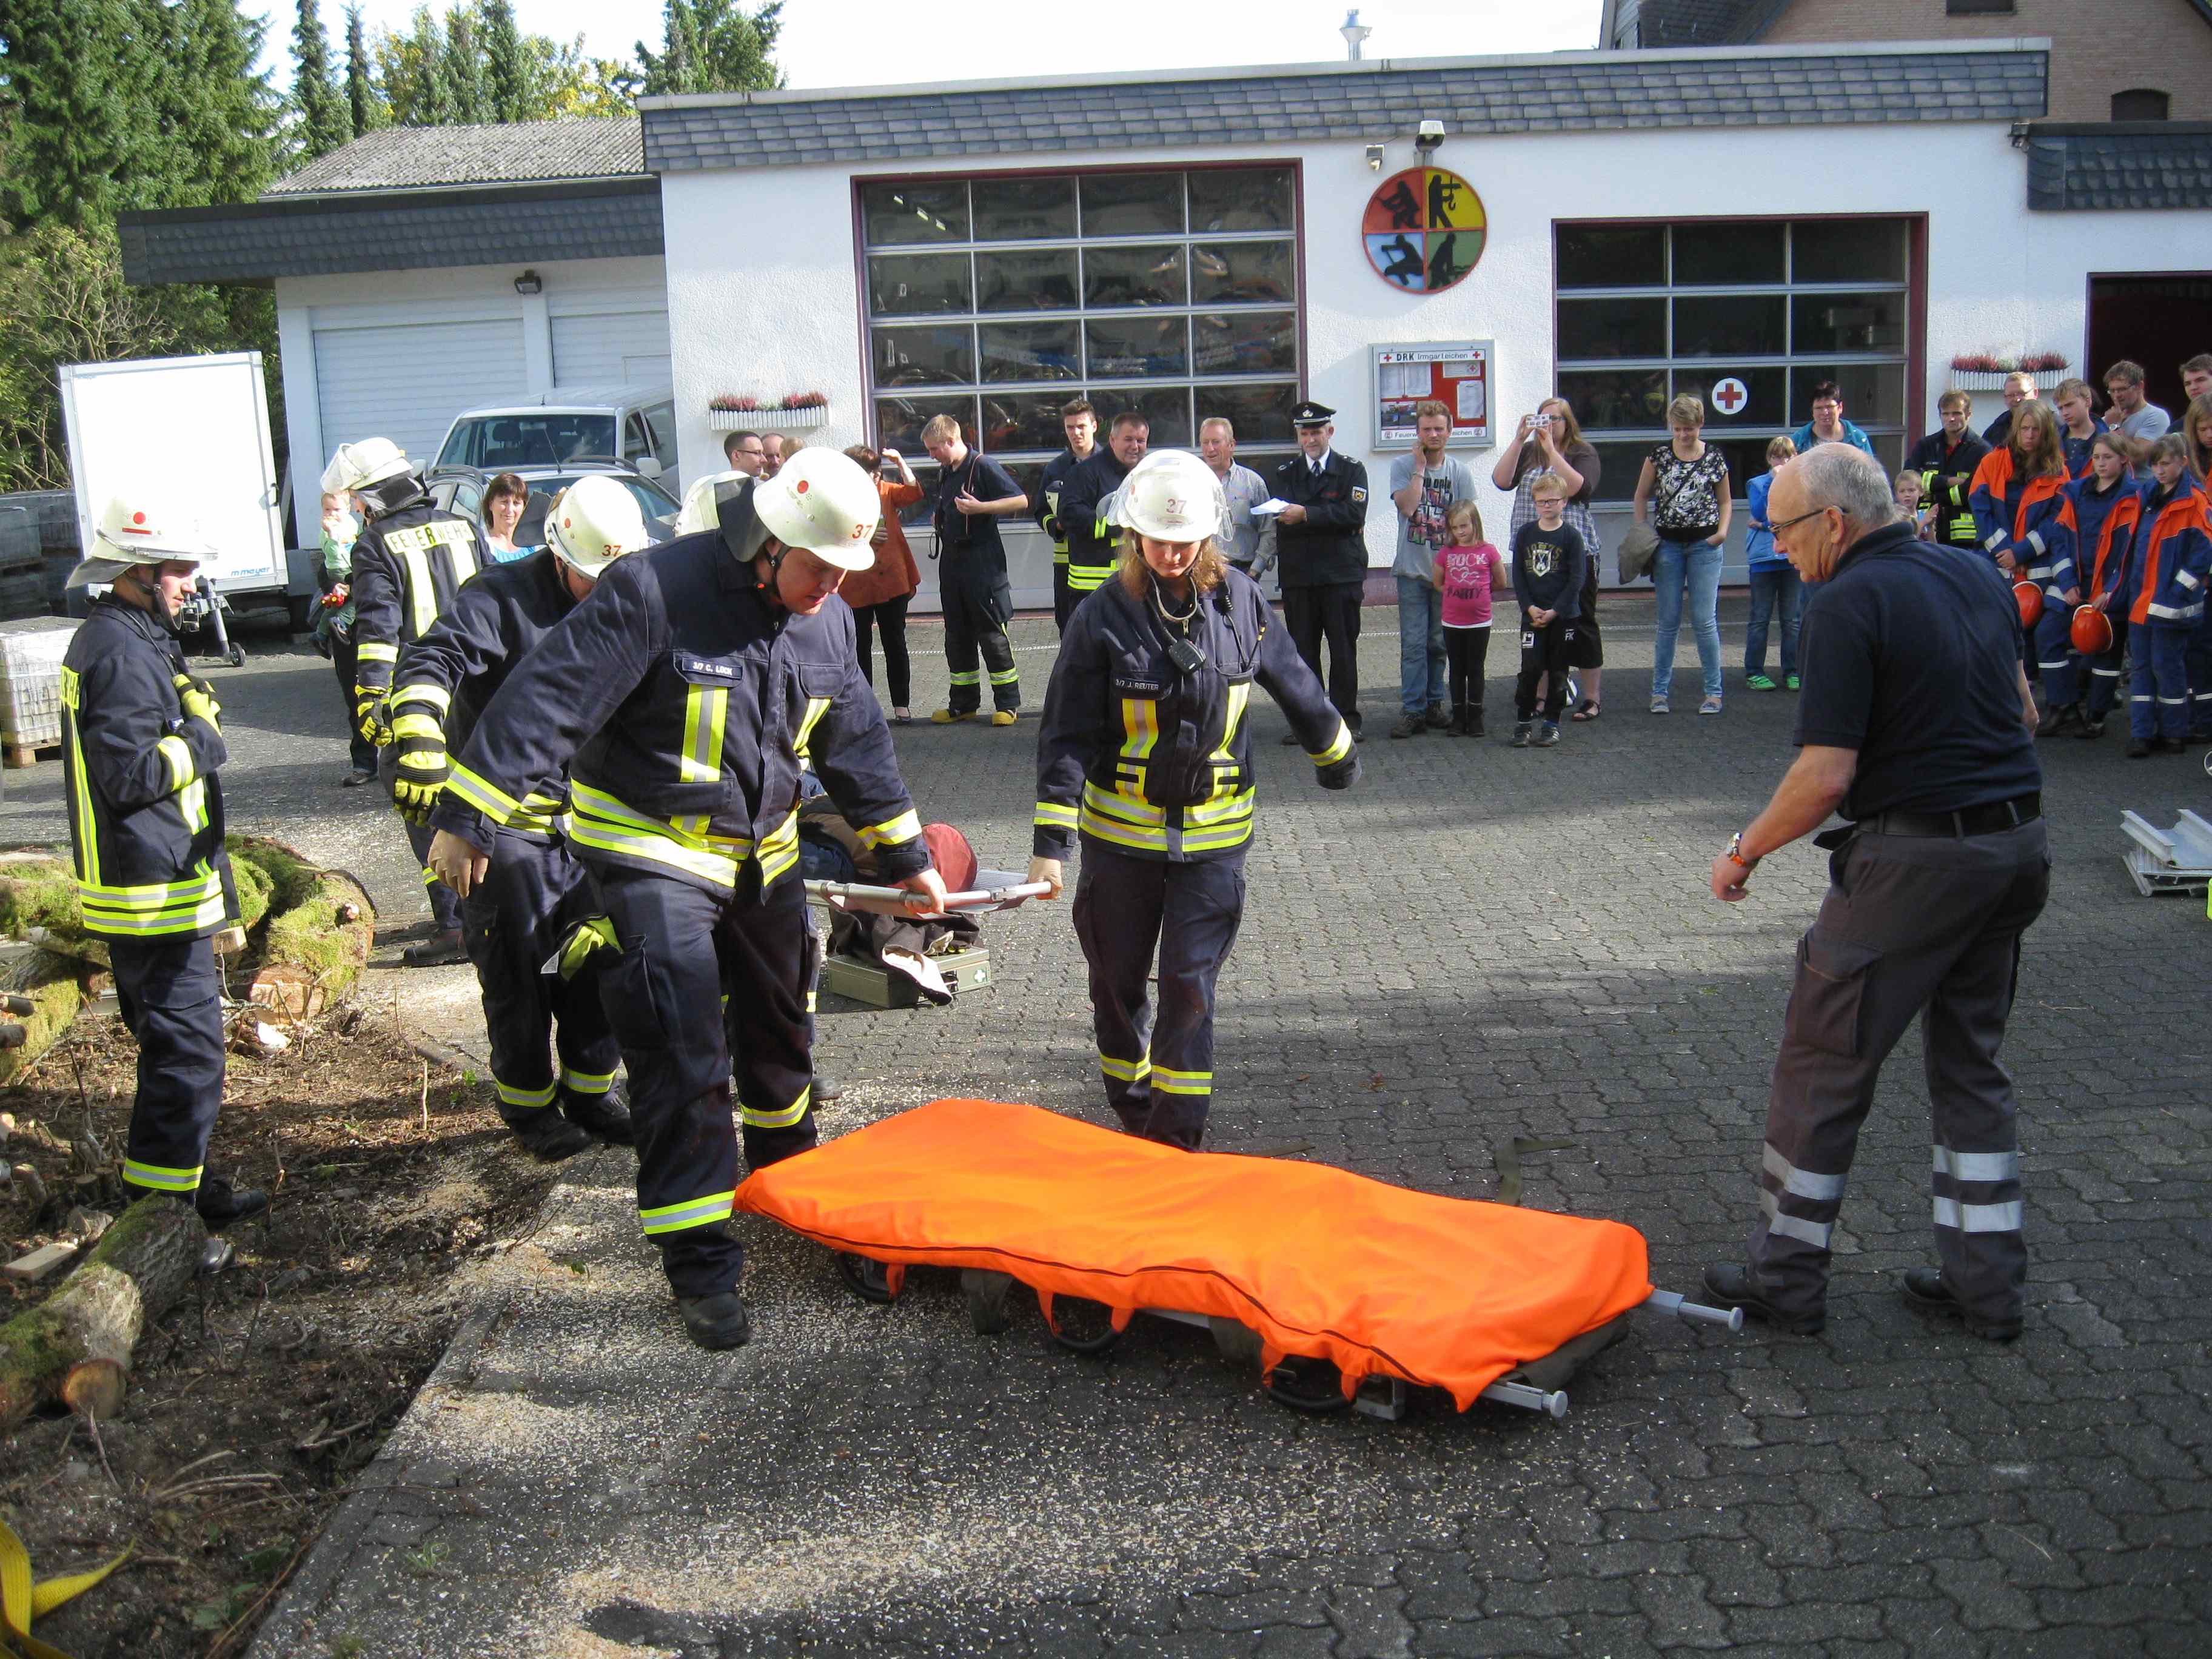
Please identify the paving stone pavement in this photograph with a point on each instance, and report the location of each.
(1477, 944)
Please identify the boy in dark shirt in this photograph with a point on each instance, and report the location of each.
(1548, 556)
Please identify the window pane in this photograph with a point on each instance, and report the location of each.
(1030, 351)
(1167, 408)
(1848, 322)
(915, 515)
(1132, 204)
(1024, 210)
(1247, 342)
(1634, 398)
(1145, 346)
(918, 284)
(1260, 414)
(1223, 272)
(1612, 328)
(1738, 325)
(1022, 420)
(1723, 254)
(925, 357)
(1036, 279)
(1609, 256)
(1240, 198)
(1767, 409)
(1747, 459)
(1874, 393)
(917, 212)
(1619, 465)
(899, 421)
(1134, 277)
(1847, 250)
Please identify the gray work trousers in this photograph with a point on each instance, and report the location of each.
(1924, 926)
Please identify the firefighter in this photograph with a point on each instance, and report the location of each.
(536, 895)
(686, 691)
(1080, 421)
(1945, 459)
(1145, 754)
(141, 741)
(1086, 513)
(411, 560)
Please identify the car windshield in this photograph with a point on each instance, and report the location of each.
(659, 506)
(531, 439)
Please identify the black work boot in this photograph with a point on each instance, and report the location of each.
(867, 1278)
(1439, 718)
(220, 1204)
(1731, 1285)
(826, 1088)
(716, 1322)
(606, 1116)
(1923, 1289)
(545, 1133)
(439, 950)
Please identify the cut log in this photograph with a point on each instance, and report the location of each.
(140, 1267)
(314, 939)
(52, 984)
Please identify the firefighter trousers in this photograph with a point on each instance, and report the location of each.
(2158, 697)
(1158, 1071)
(444, 903)
(683, 950)
(1913, 925)
(977, 607)
(511, 922)
(172, 1001)
(2104, 671)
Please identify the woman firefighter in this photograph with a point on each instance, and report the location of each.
(1147, 754)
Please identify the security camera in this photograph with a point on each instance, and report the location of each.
(1428, 136)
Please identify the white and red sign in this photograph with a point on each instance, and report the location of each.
(1729, 395)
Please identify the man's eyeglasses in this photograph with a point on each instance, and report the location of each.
(1781, 524)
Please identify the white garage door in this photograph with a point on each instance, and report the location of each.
(612, 348)
(406, 381)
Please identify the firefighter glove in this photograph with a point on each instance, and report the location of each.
(424, 765)
(584, 939)
(370, 717)
(198, 697)
(1340, 774)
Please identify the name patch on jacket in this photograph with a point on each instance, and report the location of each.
(1135, 686)
(688, 666)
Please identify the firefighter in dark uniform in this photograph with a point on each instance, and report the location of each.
(411, 560)
(1085, 510)
(687, 690)
(1321, 543)
(141, 741)
(1080, 422)
(1146, 755)
(536, 896)
(1917, 722)
(1945, 459)
(974, 492)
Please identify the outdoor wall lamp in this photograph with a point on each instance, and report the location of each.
(529, 282)
(1375, 158)
(1427, 136)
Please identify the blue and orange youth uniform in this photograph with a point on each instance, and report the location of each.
(2163, 587)
(2105, 522)
(2031, 520)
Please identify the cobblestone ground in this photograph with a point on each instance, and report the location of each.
(1478, 943)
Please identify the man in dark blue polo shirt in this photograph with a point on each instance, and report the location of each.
(1917, 722)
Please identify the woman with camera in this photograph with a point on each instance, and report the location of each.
(1550, 440)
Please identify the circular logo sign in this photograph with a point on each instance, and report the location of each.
(1729, 395)
(1423, 229)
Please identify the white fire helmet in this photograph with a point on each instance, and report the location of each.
(133, 531)
(593, 522)
(356, 466)
(822, 501)
(698, 512)
(1171, 496)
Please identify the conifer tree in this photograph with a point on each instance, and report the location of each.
(326, 118)
(364, 100)
(506, 65)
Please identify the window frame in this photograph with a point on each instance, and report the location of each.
(2166, 103)
(1979, 8)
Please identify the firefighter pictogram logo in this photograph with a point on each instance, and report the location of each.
(1424, 229)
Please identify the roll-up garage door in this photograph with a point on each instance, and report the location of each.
(406, 381)
(612, 348)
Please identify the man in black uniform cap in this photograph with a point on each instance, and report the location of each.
(1321, 549)
(1916, 720)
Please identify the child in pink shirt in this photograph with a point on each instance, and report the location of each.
(1468, 571)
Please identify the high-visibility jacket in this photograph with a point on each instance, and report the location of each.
(2164, 581)
(407, 566)
(681, 703)
(1947, 474)
(2105, 524)
(1049, 489)
(451, 674)
(1092, 538)
(145, 809)
(1157, 763)
(2031, 518)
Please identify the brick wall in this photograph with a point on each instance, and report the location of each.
(2097, 48)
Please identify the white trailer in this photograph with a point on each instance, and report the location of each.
(192, 433)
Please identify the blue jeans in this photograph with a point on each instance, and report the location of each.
(1771, 586)
(1420, 646)
(1691, 569)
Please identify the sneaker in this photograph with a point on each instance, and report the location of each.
(1659, 705)
(1731, 1285)
(1546, 735)
(439, 950)
(1791, 682)
(1923, 1289)
(1522, 732)
(1408, 726)
(716, 1322)
(1439, 718)
(1003, 717)
(1759, 683)
(1709, 706)
(948, 716)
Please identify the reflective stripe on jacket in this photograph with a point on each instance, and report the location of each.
(2105, 525)
(1092, 538)
(407, 567)
(2031, 518)
(2167, 569)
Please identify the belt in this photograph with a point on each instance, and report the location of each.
(1966, 821)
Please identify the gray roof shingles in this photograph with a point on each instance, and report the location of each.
(420, 158)
(1583, 93)
(2139, 165)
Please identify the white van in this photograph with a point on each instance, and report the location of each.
(630, 424)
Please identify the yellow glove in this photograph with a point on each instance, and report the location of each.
(370, 716)
(593, 934)
(198, 697)
(424, 765)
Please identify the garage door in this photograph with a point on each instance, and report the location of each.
(612, 348)
(406, 381)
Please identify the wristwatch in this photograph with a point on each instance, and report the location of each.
(1735, 852)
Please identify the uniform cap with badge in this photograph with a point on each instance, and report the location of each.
(1312, 414)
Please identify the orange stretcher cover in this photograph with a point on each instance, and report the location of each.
(1441, 1291)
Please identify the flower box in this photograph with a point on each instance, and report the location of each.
(767, 420)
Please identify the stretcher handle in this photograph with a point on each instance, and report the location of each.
(21, 1007)
(1552, 1402)
(900, 900)
(1695, 1312)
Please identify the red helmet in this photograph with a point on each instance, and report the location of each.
(2029, 598)
(2092, 631)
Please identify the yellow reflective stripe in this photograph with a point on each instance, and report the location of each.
(487, 799)
(1125, 1070)
(779, 849)
(816, 708)
(161, 1178)
(598, 821)
(418, 725)
(375, 651)
(436, 695)
(421, 598)
(538, 814)
(586, 1083)
(709, 1211)
(1130, 809)
(973, 677)
(1141, 727)
(529, 1098)
(84, 828)
(178, 754)
(1052, 815)
(1238, 695)
(1169, 1081)
(1220, 807)
(191, 801)
(905, 827)
(1339, 747)
(1123, 834)
(783, 1120)
(706, 708)
(1004, 675)
(1212, 841)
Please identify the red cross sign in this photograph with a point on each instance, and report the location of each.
(1730, 395)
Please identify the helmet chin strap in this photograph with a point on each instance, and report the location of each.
(161, 612)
